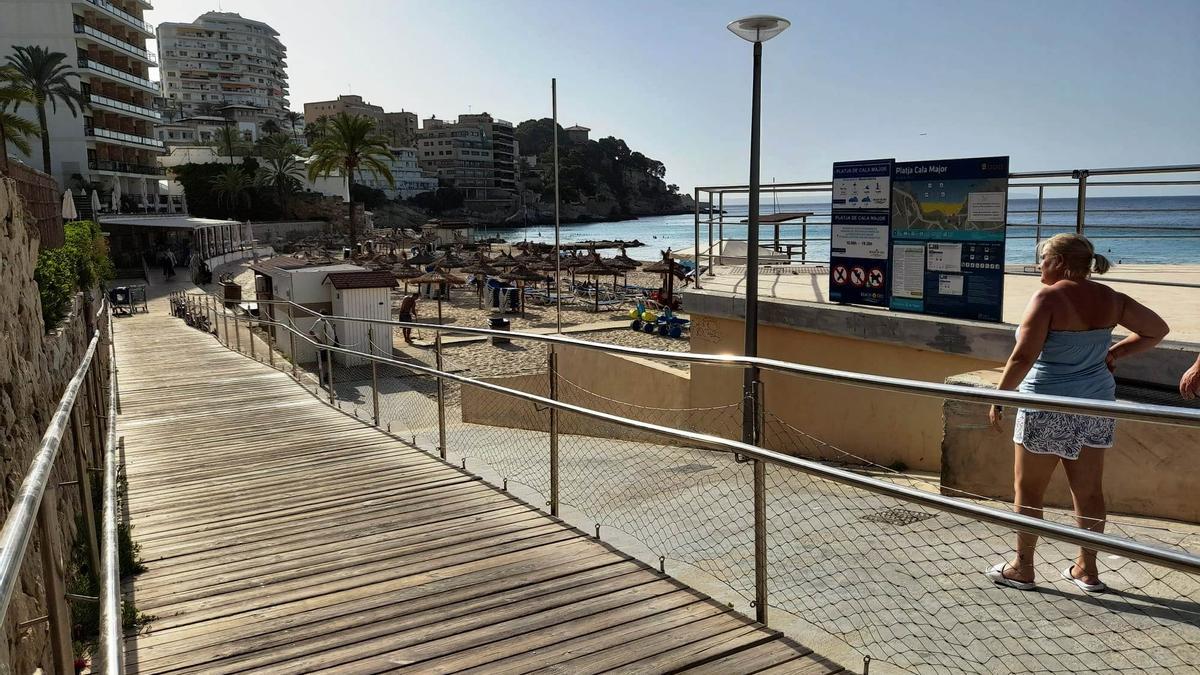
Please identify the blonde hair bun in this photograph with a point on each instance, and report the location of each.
(1079, 256)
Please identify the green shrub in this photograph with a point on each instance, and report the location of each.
(81, 263)
(56, 275)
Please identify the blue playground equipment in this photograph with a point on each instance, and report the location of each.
(665, 324)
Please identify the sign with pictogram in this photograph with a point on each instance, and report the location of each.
(875, 278)
(860, 220)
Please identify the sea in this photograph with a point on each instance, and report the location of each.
(1164, 229)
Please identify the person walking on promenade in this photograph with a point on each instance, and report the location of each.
(408, 312)
(172, 261)
(1189, 384)
(1063, 348)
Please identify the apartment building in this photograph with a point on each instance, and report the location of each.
(223, 59)
(111, 141)
(477, 154)
(407, 178)
(400, 128)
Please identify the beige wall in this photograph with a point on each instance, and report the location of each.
(625, 386)
(880, 427)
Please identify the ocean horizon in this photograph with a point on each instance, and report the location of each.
(1125, 229)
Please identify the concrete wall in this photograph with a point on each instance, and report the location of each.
(884, 428)
(1150, 470)
(621, 385)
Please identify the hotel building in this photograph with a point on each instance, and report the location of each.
(223, 59)
(476, 155)
(112, 140)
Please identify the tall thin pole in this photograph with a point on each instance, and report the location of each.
(751, 344)
(557, 252)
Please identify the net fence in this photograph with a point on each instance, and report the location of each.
(880, 575)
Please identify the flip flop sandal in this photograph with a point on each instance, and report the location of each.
(1084, 586)
(996, 574)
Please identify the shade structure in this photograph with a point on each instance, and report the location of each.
(522, 274)
(68, 206)
(669, 269)
(598, 268)
(442, 278)
(95, 204)
(626, 260)
(116, 196)
(422, 258)
(451, 260)
(504, 261)
(481, 268)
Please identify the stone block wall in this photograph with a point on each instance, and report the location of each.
(35, 366)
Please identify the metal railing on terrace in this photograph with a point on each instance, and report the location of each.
(119, 74)
(887, 569)
(806, 239)
(114, 41)
(86, 415)
(105, 101)
(108, 134)
(123, 15)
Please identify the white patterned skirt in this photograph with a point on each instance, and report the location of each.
(1046, 432)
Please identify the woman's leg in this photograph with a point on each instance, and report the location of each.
(1031, 475)
(1086, 477)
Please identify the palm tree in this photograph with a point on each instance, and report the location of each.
(351, 145)
(42, 72)
(317, 129)
(293, 119)
(232, 188)
(270, 127)
(229, 141)
(281, 169)
(14, 128)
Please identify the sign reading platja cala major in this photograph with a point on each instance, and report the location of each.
(945, 241)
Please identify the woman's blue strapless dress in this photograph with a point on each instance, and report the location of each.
(1071, 364)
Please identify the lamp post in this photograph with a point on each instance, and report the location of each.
(756, 29)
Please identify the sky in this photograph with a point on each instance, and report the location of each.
(1054, 85)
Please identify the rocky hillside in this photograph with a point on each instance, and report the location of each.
(598, 180)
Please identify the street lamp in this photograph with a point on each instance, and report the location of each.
(756, 29)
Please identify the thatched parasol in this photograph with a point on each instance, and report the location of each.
(451, 260)
(598, 268)
(521, 274)
(504, 261)
(405, 272)
(421, 259)
(442, 278)
(669, 269)
(481, 268)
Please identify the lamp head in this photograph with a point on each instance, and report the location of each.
(758, 28)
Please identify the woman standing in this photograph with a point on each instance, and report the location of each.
(1063, 348)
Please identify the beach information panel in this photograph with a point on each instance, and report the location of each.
(860, 218)
(947, 237)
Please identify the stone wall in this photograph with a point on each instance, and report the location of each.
(35, 366)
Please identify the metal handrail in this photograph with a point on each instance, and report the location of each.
(19, 523)
(111, 616)
(1134, 550)
(1139, 412)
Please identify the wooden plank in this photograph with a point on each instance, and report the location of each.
(759, 657)
(286, 536)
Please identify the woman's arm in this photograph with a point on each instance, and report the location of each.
(1147, 328)
(1189, 384)
(1030, 339)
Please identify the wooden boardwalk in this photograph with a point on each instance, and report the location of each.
(284, 536)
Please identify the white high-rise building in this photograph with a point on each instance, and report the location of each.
(113, 139)
(220, 59)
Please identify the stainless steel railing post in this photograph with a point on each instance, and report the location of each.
(374, 376)
(441, 396)
(760, 512)
(225, 324)
(250, 336)
(1081, 199)
(237, 332)
(1037, 235)
(292, 339)
(329, 364)
(270, 344)
(553, 368)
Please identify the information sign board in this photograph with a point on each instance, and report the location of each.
(860, 218)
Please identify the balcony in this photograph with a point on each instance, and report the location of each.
(121, 137)
(126, 167)
(121, 106)
(119, 75)
(101, 36)
(112, 10)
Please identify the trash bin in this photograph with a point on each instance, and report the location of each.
(500, 323)
(231, 293)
